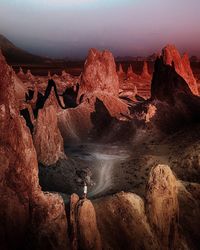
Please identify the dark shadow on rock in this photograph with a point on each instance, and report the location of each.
(107, 128)
(176, 106)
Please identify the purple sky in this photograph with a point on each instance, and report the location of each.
(68, 28)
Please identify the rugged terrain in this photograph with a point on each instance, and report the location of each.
(133, 138)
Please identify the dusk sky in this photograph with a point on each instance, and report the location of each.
(68, 28)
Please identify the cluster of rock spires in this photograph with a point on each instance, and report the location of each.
(30, 215)
(25, 210)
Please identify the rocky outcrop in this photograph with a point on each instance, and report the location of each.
(145, 72)
(20, 88)
(181, 64)
(29, 75)
(99, 74)
(47, 138)
(123, 224)
(26, 213)
(69, 121)
(84, 231)
(21, 73)
(130, 73)
(166, 218)
(162, 205)
(171, 95)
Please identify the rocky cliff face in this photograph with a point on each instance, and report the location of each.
(25, 212)
(99, 74)
(181, 64)
(128, 221)
(47, 138)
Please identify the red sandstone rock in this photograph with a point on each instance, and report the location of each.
(130, 73)
(162, 206)
(123, 224)
(182, 66)
(121, 73)
(89, 237)
(99, 74)
(47, 138)
(83, 225)
(20, 193)
(145, 72)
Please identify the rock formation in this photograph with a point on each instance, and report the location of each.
(130, 73)
(145, 72)
(99, 74)
(121, 73)
(162, 205)
(84, 231)
(20, 88)
(181, 64)
(171, 96)
(21, 73)
(29, 75)
(165, 217)
(47, 138)
(26, 212)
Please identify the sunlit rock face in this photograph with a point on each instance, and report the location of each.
(181, 64)
(99, 81)
(74, 123)
(47, 138)
(162, 205)
(99, 74)
(26, 212)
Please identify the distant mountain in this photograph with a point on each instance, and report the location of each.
(15, 55)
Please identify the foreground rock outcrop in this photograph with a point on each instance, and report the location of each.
(26, 212)
(128, 221)
(162, 206)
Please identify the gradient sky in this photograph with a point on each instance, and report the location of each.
(68, 28)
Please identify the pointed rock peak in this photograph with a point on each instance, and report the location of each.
(64, 73)
(130, 73)
(120, 71)
(130, 69)
(145, 71)
(99, 74)
(167, 83)
(171, 55)
(21, 72)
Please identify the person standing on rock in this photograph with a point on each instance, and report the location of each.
(85, 190)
